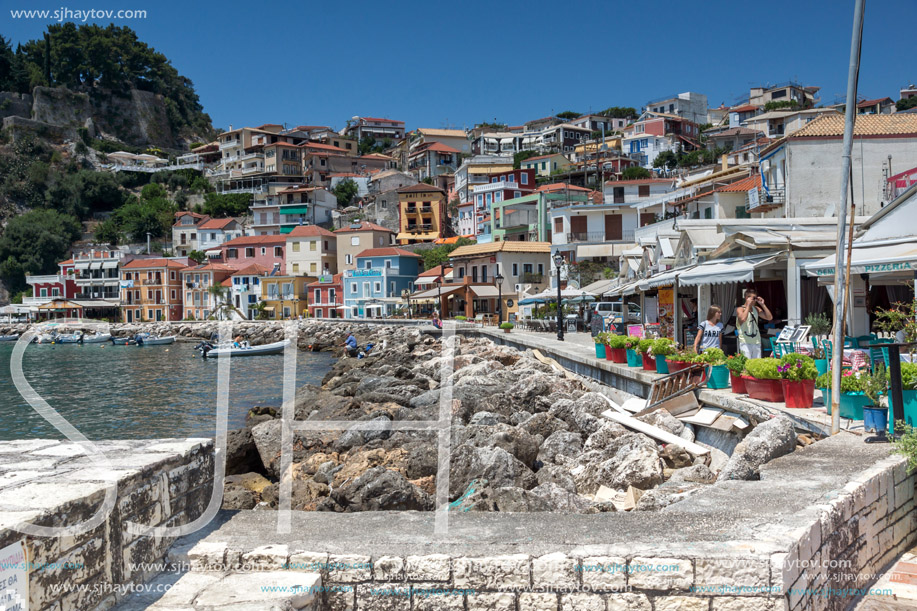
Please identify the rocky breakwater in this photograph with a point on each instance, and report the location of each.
(525, 436)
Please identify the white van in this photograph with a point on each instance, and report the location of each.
(614, 310)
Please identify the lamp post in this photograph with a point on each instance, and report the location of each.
(442, 278)
(559, 262)
(498, 279)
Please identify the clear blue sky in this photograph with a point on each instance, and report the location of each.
(438, 64)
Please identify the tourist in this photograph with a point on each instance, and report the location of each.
(351, 345)
(710, 331)
(237, 342)
(748, 316)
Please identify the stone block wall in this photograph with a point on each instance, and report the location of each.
(52, 483)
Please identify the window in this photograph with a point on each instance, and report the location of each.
(384, 204)
(353, 288)
(541, 268)
(313, 268)
(313, 245)
(523, 178)
(172, 275)
(483, 273)
(517, 194)
(188, 298)
(318, 296)
(391, 288)
(377, 287)
(348, 259)
(295, 246)
(331, 295)
(544, 165)
(296, 268)
(368, 264)
(355, 240)
(643, 190)
(44, 293)
(250, 252)
(461, 272)
(515, 269)
(172, 295)
(388, 264)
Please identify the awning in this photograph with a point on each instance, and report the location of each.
(95, 265)
(215, 252)
(425, 280)
(663, 279)
(599, 286)
(595, 250)
(82, 266)
(109, 264)
(485, 291)
(725, 271)
(887, 259)
(295, 210)
(628, 288)
(96, 303)
(269, 309)
(59, 304)
(434, 293)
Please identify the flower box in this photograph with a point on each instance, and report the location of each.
(649, 363)
(799, 394)
(738, 384)
(618, 355)
(633, 359)
(662, 364)
(852, 404)
(764, 390)
(677, 365)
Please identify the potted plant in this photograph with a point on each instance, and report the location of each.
(680, 359)
(763, 380)
(460, 317)
(507, 326)
(852, 397)
(797, 374)
(616, 345)
(736, 365)
(600, 342)
(630, 344)
(875, 416)
(662, 348)
(719, 374)
(908, 392)
(645, 348)
(819, 324)
(821, 361)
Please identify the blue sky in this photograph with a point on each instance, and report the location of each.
(452, 64)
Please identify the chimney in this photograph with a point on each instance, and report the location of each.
(725, 163)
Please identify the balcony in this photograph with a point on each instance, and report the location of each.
(154, 282)
(46, 279)
(230, 144)
(767, 200)
(426, 209)
(585, 237)
(531, 278)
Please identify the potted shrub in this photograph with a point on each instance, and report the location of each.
(616, 346)
(630, 344)
(662, 348)
(645, 348)
(908, 392)
(875, 416)
(736, 365)
(821, 361)
(763, 380)
(680, 359)
(797, 374)
(507, 326)
(600, 342)
(719, 375)
(852, 398)
(460, 318)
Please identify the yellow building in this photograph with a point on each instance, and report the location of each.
(421, 214)
(285, 296)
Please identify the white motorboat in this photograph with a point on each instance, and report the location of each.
(208, 350)
(157, 340)
(9, 338)
(98, 338)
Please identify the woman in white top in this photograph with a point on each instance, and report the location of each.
(710, 332)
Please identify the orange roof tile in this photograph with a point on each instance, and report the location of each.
(252, 240)
(832, 126)
(322, 147)
(309, 231)
(746, 184)
(364, 226)
(152, 263)
(253, 270)
(387, 252)
(216, 223)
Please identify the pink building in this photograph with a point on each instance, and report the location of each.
(264, 250)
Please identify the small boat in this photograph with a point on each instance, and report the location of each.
(123, 341)
(98, 338)
(208, 350)
(143, 339)
(9, 338)
(66, 338)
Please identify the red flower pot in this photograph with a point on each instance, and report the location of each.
(799, 393)
(649, 363)
(737, 383)
(609, 353)
(764, 390)
(618, 355)
(677, 366)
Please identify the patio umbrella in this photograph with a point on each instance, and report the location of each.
(580, 299)
(532, 300)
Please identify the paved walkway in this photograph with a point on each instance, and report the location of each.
(896, 588)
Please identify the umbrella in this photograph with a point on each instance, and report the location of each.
(584, 298)
(532, 300)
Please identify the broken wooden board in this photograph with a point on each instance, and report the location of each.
(705, 417)
(740, 423)
(632, 497)
(549, 361)
(634, 405)
(613, 405)
(723, 423)
(655, 432)
(684, 401)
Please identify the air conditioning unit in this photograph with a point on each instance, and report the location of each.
(518, 287)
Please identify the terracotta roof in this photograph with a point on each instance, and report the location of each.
(744, 108)
(746, 184)
(227, 282)
(336, 279)
(420, 187)
(735, 131)
(364, 226)
(387, 252)
(209, 267)
(299, 190)
(154, 262)
(503, 246)
(322, 147)
(442, 133)
(559, 186)
(376, 156)
(345, 175)
(252, 240)
(868, 103)
(539, 157)
(268, 125)
(306, 128)
(435, 271)
(67, 262)
(832, 126)
(309, 231)
(216, 223)
(436, 147)
(385, 120)
(638, 181)
(253, 270)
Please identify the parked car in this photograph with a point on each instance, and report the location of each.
(614, 309)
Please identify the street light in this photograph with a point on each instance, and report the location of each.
(498, 279)
(559, 262)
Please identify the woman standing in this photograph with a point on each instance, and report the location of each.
(710, 332)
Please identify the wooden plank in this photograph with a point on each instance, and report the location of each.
(740, 423)
(655, 432)
(549, 361)
(680, 402)
(686, 415)
(613, 405)
(705, 417)
(723, 423)
(634, 404)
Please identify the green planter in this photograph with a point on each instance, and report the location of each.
(719, 377)
(634, 359)
(852, 404)
(822, 366)
(662, 365)
(600, 351)
(909, 401)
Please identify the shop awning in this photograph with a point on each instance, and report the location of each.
(82, 266)
(59, 304)
(485, 291)
(96, 303)
(664, 279)
(628, 288)
(434, 293)
(887, 259)
(425, 280)
(725, 271)
(595, 250)
(109, 264)
(599, 286)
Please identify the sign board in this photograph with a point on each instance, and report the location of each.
(753, 199)
(666, 313)
(509, 303)
(365, 272)
(635, 330)
(326, 279)
(794, 335)
(14, 578)
(597, 324)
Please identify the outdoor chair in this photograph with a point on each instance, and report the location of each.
(877, 355)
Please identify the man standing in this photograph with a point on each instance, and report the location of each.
(747, 317)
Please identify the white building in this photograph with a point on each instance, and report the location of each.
(310, 251)
(645, 147)
(689, 105)
(245, 287)
(213, 232)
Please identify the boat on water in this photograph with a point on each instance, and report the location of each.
(98, 338)
(9, 338)
(143, 339)
(209, 350)
(73, 338)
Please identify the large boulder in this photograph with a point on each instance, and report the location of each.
(629, 460)
(494, 464)
(267, 437)
(604, 436)
(241, 452)
(560, 443)
(542, 425)
(380, 489)
(769, 440)
(555, 474)
(515, 441)
(561, 499)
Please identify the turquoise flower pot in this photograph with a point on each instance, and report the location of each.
(662, 365)
(634, 359)
(600, 351)
(719, 377)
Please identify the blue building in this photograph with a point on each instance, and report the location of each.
(375, 287)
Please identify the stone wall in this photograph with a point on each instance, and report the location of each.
(52, 483)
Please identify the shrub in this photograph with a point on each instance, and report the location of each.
(616, 341)
(712, 356)
(736, 363)
(763, 369)
(506, 325)
(663, 346)
(644, 346)
(906, 444)
(850, 382)
(631, 342)
(601, 338)
(876, 385)
(908, 376)
(461, 318)
(795, 366)
(683, 356)
(819, 323)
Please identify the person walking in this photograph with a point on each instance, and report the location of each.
(748, 316)
(710, 331)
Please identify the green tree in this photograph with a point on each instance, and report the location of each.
(137, 217)
(666, 159)
(906, 103)
(108, 232)
(440, 254)
(345, 191)
(33, 243)
(223, 299)
(568, 115)
(635, 173)
(152, 191)
(6, 65)
(223, 205)
(521, 156)
(619, 112)
(197, 256)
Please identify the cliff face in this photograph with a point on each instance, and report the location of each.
(135, 117)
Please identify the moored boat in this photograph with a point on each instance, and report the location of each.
(9, 338)
(208, 350)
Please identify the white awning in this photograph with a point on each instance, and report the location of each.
(595, 250)
(81, 266)
(95, 265)
(109, 264)
(725, 271)
(628, 288)
(664, 279)
(434, 293)
(599, 286)
(484, 291)
(888, 259)
(96, 303)
(213, 252)
(425, 280)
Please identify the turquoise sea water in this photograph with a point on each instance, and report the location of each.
(131, 392)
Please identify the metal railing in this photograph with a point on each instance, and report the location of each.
(531, 278)
(596, 236)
